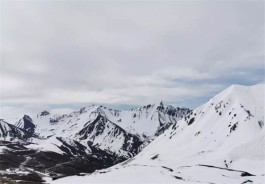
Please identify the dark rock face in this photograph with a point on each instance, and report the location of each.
(82, 110)
(73, 149)
(28, 124)
(132, 144)
(19, 157)
(162, 129)
(44, 113)
(172, 111)
(191, 121)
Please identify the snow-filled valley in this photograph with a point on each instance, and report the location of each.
(221, 141)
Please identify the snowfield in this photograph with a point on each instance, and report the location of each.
(222, 141)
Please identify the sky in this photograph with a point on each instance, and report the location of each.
(68, 54)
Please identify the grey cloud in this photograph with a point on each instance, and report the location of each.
(67, 52)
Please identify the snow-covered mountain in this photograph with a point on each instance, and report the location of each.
(95, 135)
(144, 121)
(9, 132)
(27, 124)
(222, 141)
(109, 137)
(147, 120)
(122, 132)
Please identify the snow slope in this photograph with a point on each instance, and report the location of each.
(222, 141)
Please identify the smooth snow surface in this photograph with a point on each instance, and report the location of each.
(222, 141)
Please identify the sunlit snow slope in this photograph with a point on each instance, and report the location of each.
(222, 141)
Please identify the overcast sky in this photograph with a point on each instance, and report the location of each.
(67, 54)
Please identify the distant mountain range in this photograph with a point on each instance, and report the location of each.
(95, 136)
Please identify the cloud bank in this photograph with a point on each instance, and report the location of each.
(71, 53)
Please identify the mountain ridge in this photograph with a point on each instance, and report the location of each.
(91, 134)
(220, 141)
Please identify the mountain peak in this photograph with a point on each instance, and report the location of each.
(222, 137)
(238, 90)
(44, 113)
(26, 123)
